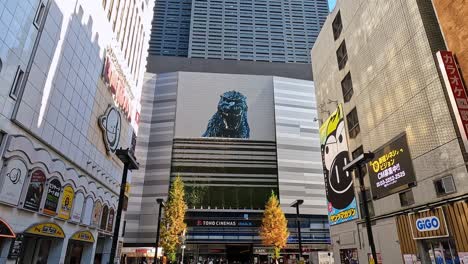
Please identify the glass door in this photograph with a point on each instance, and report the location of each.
(441, 251)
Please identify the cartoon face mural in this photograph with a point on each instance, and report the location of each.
(110, 124)
(230, 121)
(338, 183)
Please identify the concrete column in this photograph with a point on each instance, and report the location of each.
(88, 253)
(58, 249)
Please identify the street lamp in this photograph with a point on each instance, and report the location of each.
(356, 164)
(296, 204)
(161, 203)
(130, 163)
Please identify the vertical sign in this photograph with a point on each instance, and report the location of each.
(456, 91)
(13, 175)
(35, 190)
(52, 198)
(339, 188)
(66, 204)
(88, 211)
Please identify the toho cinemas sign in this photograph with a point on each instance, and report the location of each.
(117, 84)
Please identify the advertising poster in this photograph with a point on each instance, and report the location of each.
(392, 169)
(339, 188)
(88, 211)
(349, 256)
(370, 258)
(66, 204)
(96, 214)
(35, 190)
(463, 257)
(12, 181)
(77, 207)
(52, 198)
(110, 220)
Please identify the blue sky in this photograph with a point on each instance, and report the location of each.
(331, 4)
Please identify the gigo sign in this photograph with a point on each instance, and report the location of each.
(428, 224)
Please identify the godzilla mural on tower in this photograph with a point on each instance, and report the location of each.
(230, 121)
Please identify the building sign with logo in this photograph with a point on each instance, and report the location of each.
(35, 190)
(456, 91)
(67, 202)
(428, 224)
(339, 188)
(392, 169)
(225, 223)
(52, 198)
(111, 126)
(46, 229)
(117, 84)
(12, 180)
(84, 236)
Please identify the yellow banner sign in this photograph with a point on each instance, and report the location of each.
(46, 229)
(84, 236)
(67, 201)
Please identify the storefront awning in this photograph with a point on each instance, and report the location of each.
(46, 229)
(6, 230)
(84, 236)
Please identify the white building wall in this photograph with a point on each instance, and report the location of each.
(54, 124)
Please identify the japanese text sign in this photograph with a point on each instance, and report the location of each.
(392, 169)
(456, 90)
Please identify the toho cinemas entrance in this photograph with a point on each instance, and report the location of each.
(435, 236)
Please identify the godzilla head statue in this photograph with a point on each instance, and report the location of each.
(230, 121)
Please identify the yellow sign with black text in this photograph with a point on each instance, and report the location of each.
(46, 229)
(84, 236)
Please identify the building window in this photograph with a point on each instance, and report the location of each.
(355, 154)
(370, 204)
(15, 88)
(353, 123)
(114, 24)
(445, 185)
(39, 15)
(406, 198)
(347, 87)
(342, 55)
(109, 12)
(337, 26)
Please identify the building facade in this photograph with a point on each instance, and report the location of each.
(269, 144)
(386, 83)
(272, 31)
(71, 74)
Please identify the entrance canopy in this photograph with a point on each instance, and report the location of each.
(46, 229)
(6, 230)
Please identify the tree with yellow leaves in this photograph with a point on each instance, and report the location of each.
(274, 230)
(173, 222)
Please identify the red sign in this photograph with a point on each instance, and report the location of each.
(457, 92)
(141, 250)
(117, 85)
